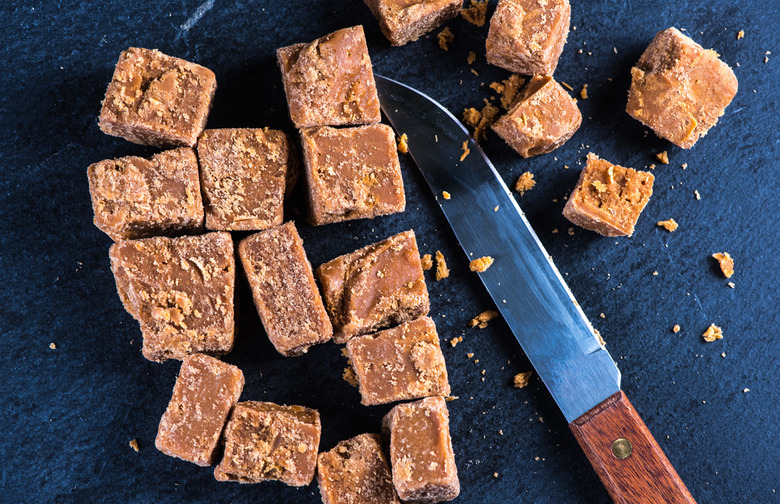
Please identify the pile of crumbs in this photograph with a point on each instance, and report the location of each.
(481, 320)
(445, 37)
(481, 264)
(455, 341)
(480, 120)
(476, 13)
(520, 380)
(507, 89)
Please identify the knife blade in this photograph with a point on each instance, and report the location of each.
(533, 299)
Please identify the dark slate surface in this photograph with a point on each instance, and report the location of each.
(68, 414)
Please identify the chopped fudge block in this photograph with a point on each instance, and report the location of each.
(134, 197)
(378, 286)
(608, 198)
(180, 290)
(421, 451)
(286, 296)
(205, 391)
(405, 21)
(155, 99)
(267, 441)
(243, 173)
(679, 89)
(330, 81)
(527, 36)
(352, 173)
(401, 363)
(356, 472)
(543, 118)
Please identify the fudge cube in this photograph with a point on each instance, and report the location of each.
(243, 173)
(352, 173)
(401, 363)
(267, 441)
(356, 471)
(608, 198)
(180, 290)
(421, 453)
(286, 296)
(407, 20)
(679, 89)
(205, 391)
(527, 36)
(134, 197)
(155, 99)
(378, 286)
(330, 81)
(543, 118)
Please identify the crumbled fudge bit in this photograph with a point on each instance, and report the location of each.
(521, 379)
(599, 337)
(403, 145)
(679, 89)
(155, 99)
(508, 89)
(525, 182)
(133, 444)
(669, 224)
(480, 120)
(726, 263)
(480, 265)
(712, 333)
(662, 157)
(471, 58)
(445, 37)
(52, 346)
(427, 262)
(446, 195)
(466, 150)
(567, 86)
(134, 197)
(405, 21)
(483, 318)
(349, 376)
(471, 116)
(740, 34)
(584, 92)
(330, 81)
(697, 195)
(454, 341)
(676, 328)
(205, 391)
(442, 271)
(476, 12)
(731, 284)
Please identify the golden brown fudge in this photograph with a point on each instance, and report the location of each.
(286, 296)
(608, 198)
(527, 36)
(267, 441)
(421, 451)
(679, 89)
(543, 118)
(330, 81)
(243, 173)
(356, 472)
(155, 99)
(352, 173)
(205, 391)
(378, 286)
(180, 290)
(134, 197)
(405, 21)
(401, 363)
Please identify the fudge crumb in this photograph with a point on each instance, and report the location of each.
(571, 231)
(488, 115)
(521, 379)
(471, 58)
(745, 390)
(602, 315)
(525, 182)
(451, 398)
(427, 262)
(567, 86)
(134, 444)
(469, 355)
(474, 72)
(476, 13)
(481, 264)
(442, 271)
(676, 328)
(684, 166)
(723, 355)
(483, 318)
(466, 150)
(508, 89)
(662, 157)
(584, 92)
(446, 195)
(471, 117)
(652, 166)
(455, 341)
(349, 376)
(726, 263)
(731, 284)
(403, 146)
(696, 193)
(495, 475)
(712, 333)
(598, 337)
(655, 273)
(445, 37)
(740, 34)
(52, 346)
(669, 224)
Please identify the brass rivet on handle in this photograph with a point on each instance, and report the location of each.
(621, 448)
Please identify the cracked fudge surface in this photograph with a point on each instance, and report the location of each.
(403, 21)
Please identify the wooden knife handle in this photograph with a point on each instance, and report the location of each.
(626, 456)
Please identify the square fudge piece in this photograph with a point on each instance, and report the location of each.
(205, 392)
(286, 296)
(527, 36)
(401, 363)
(155, 99)
(378, 286)
(180, 290)
(421, 451)
(543, 118)
(330, 81)
(679, 89)
(356, 472)
(134, 197)
(243, 173)
(608, 198)
(267, 441)
(405, 21)
(352, 173)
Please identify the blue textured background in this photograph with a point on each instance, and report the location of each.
(67, 414)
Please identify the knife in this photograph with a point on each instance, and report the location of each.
(534, 300)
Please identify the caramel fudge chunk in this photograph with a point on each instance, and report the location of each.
(286, 297)
(405, 21)
(421, 451)
(608, 198)
(679, 89)
(356, 472)
(352, 173)
(134, 197)
(401, 363)
(527, 36)
(180, 290)
(330, 81)
(267, 441)
(205, 391)
(155, 99)
(378, 286)
(543, 118)
(243, 173)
